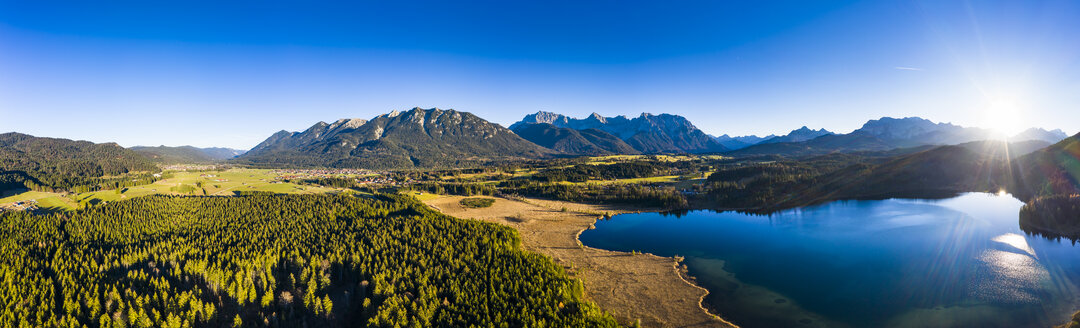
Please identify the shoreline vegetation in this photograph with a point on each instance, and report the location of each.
(638, 289)
(1053, 217)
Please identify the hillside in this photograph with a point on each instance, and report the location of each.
(844, 143)
(62, 163)
(982, 166)
(1053, 170)
(418, 138)
(1015, 148)
(647, 133)
(186, 154)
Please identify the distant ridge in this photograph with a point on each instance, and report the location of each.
(187, 154)
(647, 133)
(421, 138)
(1052, 136)
(881, 134)
(740, 142)
(798, 135)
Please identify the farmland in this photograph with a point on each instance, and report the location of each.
(208, 183)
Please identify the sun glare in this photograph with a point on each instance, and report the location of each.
(1002, 116)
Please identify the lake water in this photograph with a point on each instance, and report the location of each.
(958, 262)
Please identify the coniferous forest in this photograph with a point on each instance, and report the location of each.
(277, 260)
(51, 164)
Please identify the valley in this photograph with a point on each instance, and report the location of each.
(539, 164)
(202, 183)
(430, 161)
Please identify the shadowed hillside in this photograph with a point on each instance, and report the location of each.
(52, 163)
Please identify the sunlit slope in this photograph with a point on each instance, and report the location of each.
(1050, 171)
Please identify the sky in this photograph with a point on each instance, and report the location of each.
(231, 73)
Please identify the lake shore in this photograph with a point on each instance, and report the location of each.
(634, 287)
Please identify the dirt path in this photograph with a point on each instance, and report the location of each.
(631, 287)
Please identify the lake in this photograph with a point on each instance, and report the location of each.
(957, 262)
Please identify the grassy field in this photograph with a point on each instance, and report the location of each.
(679, 180)
(219, 184)
(45, 200)
(612, 159)
(636, 288)
(422, 196)
(518, 173)
(231, 180)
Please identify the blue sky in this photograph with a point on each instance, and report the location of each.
(213, 74)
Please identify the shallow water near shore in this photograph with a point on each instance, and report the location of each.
(958, 262)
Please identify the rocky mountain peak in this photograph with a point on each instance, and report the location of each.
(916, 127)
(596, 117)
(1052, 136)
(415, 138)
(647, 133)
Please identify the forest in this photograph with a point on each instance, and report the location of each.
(277, 260)
(586, 172)
(1052, 216)
(48, 164)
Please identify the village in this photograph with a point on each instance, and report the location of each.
(360, 176)
(194, 167)
(26, 205)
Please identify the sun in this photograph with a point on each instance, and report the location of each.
(1002, 116)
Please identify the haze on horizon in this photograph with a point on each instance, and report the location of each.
(229, 75)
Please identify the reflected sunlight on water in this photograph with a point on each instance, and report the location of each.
(1017, 241)
(958, 262)
(1013, 278)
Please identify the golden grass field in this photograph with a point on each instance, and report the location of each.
(635, 288)
(234, 180)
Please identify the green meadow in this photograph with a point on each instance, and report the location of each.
(210, 183)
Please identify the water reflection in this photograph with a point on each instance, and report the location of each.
(1016, 241)
(1010, 278)
(960, 262)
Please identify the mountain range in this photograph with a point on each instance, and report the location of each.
(440, 138)
(889, 133)
(647, 133)
(1051, 136)
(426, 138)
(798, 135)
(187, 154)
(415, 138)
(740, 142)
(446, 138)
